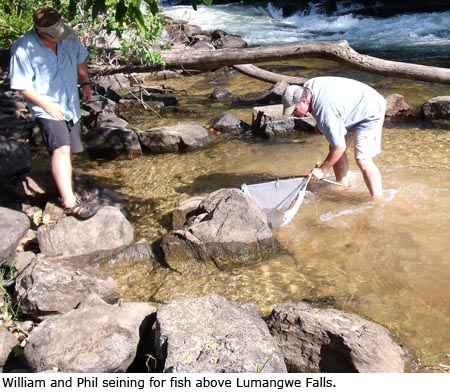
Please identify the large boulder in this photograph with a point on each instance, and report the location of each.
(98, 339)
(101, 236)
(213, 335)
(331, 341)
(13, 226)
(55, 286)
(228, 228)
(174, 138)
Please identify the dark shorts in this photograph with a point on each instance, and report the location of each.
(60, 133)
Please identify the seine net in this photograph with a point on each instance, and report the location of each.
(279, 199)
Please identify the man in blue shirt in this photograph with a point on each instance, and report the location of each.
(348, 113)
(46, 64)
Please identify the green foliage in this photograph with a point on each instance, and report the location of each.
(137, 23)
(8, 272)
(15, 19)
(194, 3)
(439, 362)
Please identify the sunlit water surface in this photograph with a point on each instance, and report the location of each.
(386, 261)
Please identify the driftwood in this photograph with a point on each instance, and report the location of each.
(339, 51)
(267, 76)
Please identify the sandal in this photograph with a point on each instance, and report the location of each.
(86, 195)
(82, 210)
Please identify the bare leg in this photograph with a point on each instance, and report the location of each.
(372, 176)
(61, 164)
(341, 168)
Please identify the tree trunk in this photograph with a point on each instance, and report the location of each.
(339, 51)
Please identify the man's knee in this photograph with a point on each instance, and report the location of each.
(60, 151)
(364, 164)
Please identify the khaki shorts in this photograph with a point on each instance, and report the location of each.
(366, 143)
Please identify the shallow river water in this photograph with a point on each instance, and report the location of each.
(386, 261)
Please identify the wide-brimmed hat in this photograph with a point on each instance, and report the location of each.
(49, 21)
(291, 96)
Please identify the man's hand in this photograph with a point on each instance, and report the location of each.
(86, 92)
(317, 174)
(54, 110)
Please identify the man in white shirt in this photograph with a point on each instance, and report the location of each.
(348, 113)
(46, 64)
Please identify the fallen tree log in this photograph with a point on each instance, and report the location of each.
(267, 76)
(339, 51)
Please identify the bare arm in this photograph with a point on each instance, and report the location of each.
(83, 76)
(333, 156)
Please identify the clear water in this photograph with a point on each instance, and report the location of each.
(386, 261)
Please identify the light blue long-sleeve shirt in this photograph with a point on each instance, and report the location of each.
(54, 75)
(340, 105)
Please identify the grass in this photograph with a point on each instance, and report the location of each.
(9, 312)
(435, 362)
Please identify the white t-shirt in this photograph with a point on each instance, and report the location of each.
(342, 105)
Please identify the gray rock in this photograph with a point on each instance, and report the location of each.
(228, 229)
(13, 226)
(113, 142)
(269, 121)
(213, 335)
(23, 260)
(436, 108)
(7, 343)
(56, 286)
(97, 339)
(331, 341)
(229, 124)
(183, 211)
(179, 137)
(220, 93)
(222, 40)
(101, 236)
